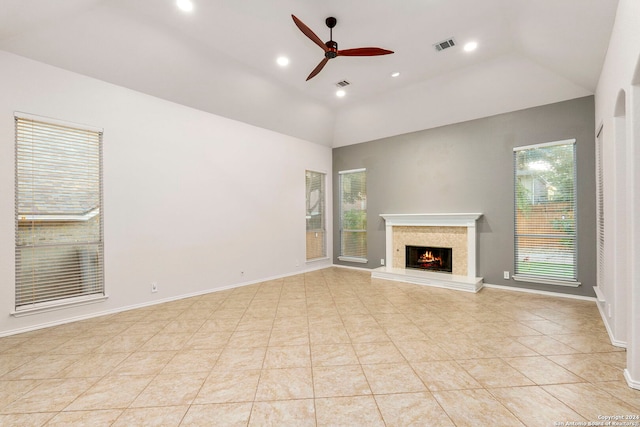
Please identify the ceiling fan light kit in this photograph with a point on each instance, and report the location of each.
(330, 47)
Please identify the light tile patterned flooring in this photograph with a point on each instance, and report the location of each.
(332, 347)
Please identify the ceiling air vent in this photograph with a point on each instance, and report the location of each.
(343, 83)
(445, 44)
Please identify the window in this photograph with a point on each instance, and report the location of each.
(545, 213)
(59, 237)
(600, 207)
(315, 217)
(353, 216)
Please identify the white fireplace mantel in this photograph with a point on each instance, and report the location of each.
(431, 220)
(468, 220)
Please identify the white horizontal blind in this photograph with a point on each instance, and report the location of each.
(353, 213)
(315, 215)
(600, 207)
(545, 211)
(59, 237)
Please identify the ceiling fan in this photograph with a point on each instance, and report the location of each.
(331, 47)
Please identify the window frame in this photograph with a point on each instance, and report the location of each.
(541, 278)
(88, 264)
(600, 211)
(350, 257)
(322, 201)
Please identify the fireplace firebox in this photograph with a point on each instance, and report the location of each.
(429, 258)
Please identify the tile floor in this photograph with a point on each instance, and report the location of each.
(332, 347)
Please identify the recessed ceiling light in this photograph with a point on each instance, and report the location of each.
(340, 93)
(282, 61)
(471, 46)
(185, 5)
(396, 74)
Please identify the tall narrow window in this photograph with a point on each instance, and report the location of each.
(316, 233)
(600, 207)
(353, 215)
(59, 238)
(545, 213)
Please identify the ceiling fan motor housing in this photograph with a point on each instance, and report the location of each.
(333, 49)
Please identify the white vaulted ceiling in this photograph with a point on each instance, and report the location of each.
(221, 57)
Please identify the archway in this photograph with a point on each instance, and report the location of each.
(632, 373)
(616, 223)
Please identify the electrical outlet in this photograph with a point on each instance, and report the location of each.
(506, 275)
(154, 287)
(381, 261)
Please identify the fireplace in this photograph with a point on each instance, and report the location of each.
(455, 232)
(429, 258)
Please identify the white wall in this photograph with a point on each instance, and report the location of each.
(191, 199)
(617, 77)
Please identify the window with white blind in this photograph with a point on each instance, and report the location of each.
(315, 215)
(600, 207)
(59, 237)
(353, 215)
(545, 213)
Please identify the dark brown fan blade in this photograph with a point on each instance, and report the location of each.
(364, 51)
(307, 32)
(318, 68)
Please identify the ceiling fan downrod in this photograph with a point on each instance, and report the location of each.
(331, 45)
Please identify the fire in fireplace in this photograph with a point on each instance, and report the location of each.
(429, 258)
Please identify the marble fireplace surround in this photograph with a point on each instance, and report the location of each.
(454, 230)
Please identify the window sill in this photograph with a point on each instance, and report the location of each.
(541, 280)
(58, 305)
(353, 259)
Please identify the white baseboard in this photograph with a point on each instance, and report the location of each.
(630, 381)
(599, 294)
(535, 291)
(350, 267)
(605, 320)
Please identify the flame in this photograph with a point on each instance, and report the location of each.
(428, 257)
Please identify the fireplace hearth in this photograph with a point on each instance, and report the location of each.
(429, 258)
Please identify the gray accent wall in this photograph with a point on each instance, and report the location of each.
(468, 167)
